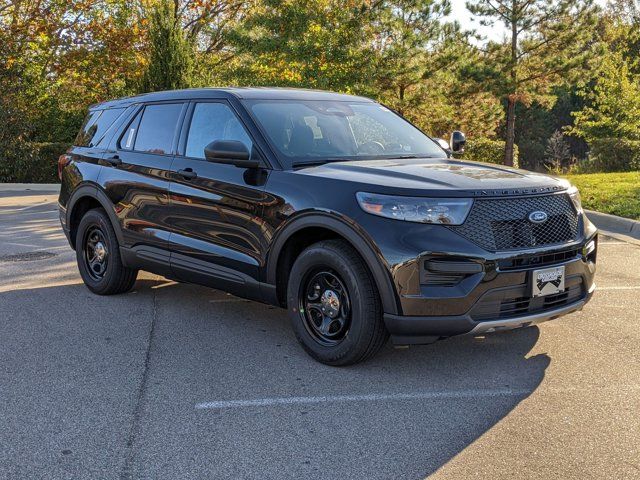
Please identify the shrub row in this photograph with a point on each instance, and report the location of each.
(487, 150)
(611, 155)
(36, 163)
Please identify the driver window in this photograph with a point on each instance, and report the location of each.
(211, 122)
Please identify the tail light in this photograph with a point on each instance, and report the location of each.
(63, 161)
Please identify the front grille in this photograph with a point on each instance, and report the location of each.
(503, 224)
(538, 260)
(518, 301)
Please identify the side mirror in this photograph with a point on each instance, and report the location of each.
(457, 142)
(230, 152)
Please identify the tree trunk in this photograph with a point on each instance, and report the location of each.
(511, 131)
(511, 99)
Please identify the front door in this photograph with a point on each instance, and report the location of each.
(217, 235)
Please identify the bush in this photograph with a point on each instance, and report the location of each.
(611, 155)
(37, 163)
(487, 150)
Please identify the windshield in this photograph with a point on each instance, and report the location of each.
(318, 131)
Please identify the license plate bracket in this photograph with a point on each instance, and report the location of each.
(547, 281)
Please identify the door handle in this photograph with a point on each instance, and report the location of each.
(114, 160)
(187, 174)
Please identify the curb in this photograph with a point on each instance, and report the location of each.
(30, 187)
(617, 227)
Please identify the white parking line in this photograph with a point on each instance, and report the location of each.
(441, 395)
(373, 397)
(618, 288)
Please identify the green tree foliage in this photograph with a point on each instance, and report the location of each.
(171, 55)
(548, 40)
(536, 123)
(614, 109)
(411, 46)
(313, 44)
(613, 100)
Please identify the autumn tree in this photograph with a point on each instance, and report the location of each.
(547, 42)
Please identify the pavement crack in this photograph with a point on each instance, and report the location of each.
(127, 472)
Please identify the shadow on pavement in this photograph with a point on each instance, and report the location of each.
(73, 378)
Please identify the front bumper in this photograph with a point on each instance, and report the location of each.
(492, 291)
(420, 330)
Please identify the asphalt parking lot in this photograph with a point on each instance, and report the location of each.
(177, 381)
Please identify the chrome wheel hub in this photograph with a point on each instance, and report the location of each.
(100, 251)
(330, 303)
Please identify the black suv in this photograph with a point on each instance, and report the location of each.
(330, 205)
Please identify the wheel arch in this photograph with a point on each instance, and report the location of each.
(83, 199)
(294, 237)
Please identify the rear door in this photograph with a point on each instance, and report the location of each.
(137, 180)
(217, 234)
(89, 148)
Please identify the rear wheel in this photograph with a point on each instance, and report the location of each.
(98, 256)
(334, 304)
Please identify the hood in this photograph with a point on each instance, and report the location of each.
(440, 176)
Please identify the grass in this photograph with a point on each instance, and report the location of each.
(614, 193)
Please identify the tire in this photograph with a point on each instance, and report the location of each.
(351, 328)
(96, 239)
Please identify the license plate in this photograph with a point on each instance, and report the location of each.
(548, 281)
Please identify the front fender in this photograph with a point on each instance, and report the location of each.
(352, 233)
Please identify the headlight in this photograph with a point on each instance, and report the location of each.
(574, 194)
(448, 211)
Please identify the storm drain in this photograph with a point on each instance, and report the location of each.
(27, 256)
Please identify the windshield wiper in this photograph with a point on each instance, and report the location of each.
(315, 163)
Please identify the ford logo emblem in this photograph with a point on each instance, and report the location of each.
(538, 217)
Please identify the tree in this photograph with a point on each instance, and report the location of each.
(614, 104)
(557, 151)
(411, 46)
(613, 100)
(548, 40)
(171, 55)
(68, 55)
(312, 44)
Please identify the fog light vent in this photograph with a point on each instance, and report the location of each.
(448, 273)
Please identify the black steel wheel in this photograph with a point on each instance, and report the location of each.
(98, 256)
(324, 302)
(334, 304)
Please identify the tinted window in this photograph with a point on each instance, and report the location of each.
(157, 128)
(95, 126)
(210, 122)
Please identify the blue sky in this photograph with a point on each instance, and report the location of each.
(460, 13)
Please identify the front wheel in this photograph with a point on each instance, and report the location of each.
(98, 256)
(334, 304)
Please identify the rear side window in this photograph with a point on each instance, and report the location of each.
(210, 122)
(95, 125)
(156, 129)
